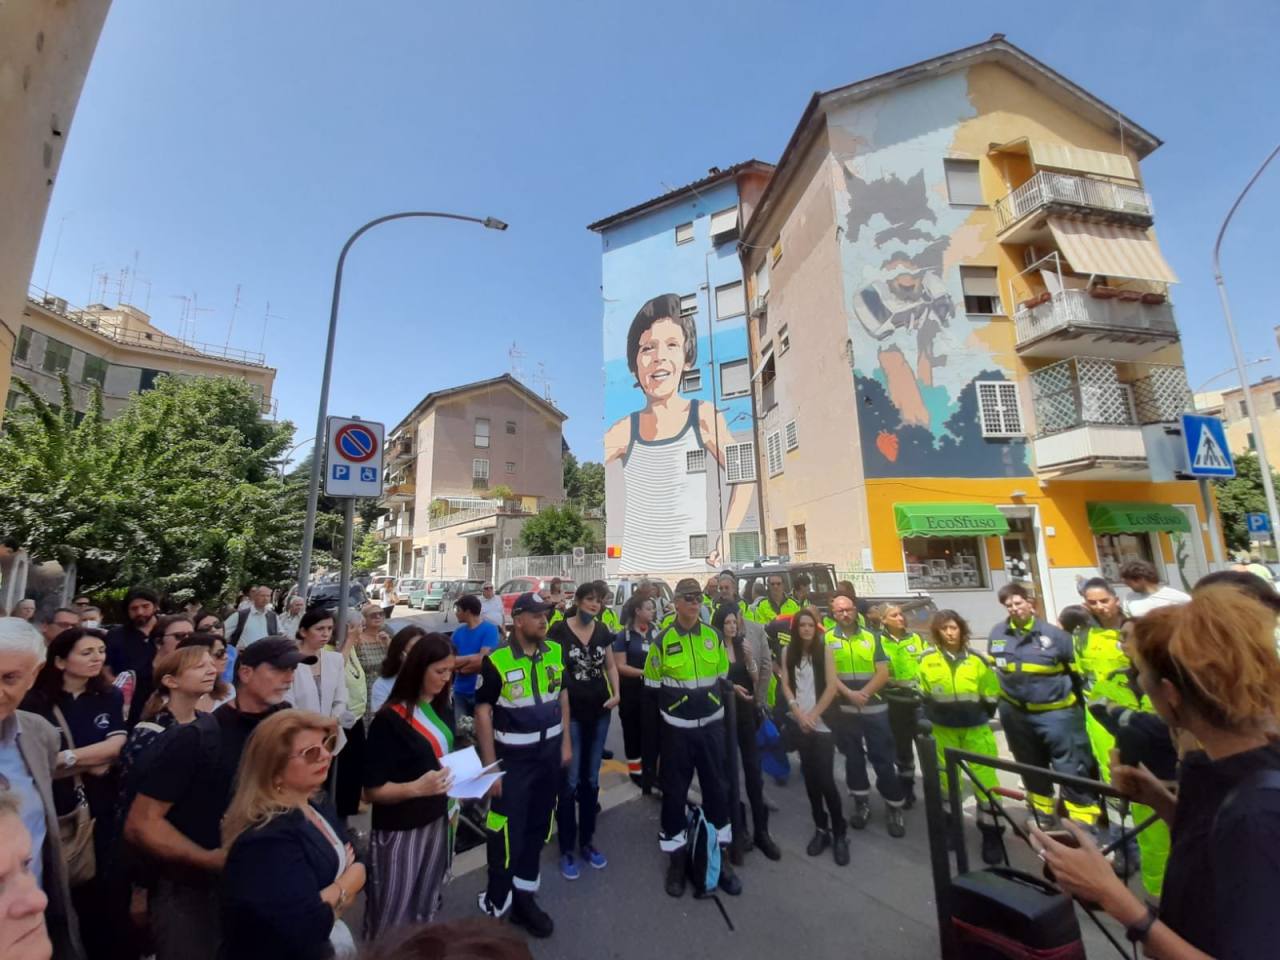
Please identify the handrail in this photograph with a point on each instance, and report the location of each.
(1048, 187)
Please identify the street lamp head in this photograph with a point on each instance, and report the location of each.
(493, 223)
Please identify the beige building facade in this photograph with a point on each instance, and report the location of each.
(1229, 406)
(446, 463)
(118, 350)
(45, 50)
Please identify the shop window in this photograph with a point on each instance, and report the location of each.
(1115, 549)
(944, 563)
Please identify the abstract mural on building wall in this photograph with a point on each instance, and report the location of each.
(667, 447)
(915, 358)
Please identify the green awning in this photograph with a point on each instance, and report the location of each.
(1115, 517)
(949, 520)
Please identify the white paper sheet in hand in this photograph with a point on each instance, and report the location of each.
(471, 778)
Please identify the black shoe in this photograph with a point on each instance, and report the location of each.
(908, 794)
(747, 843)
(676, 870)
(992, 845)
(729, 881)
(526, 912)
(606, 754)
(893, 818)
(861, 813)
(765, 844)
(821, 840)
(840, 850)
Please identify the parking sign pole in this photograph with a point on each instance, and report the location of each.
(344, 577)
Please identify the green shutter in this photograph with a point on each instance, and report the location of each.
(949, 520)
(1117, 517)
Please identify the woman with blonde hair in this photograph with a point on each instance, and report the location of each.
(1211, 671)
(289, 875)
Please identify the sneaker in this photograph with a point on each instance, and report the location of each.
(676, 874)
(821, 840)
(992, 845)
(766, 845)
(489, 910)
(893, 817)
(729, 881)
(526, 913)
(840, 850)
(568, 868)
(594, 857)
(861, 813)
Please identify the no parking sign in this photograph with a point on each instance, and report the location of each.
(353, 458)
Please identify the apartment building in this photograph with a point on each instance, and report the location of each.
(447, 460)
(965, 361)
(1229, 406)
(680, 458)
(118, 350)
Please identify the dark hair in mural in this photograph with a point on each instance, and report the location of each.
(663, 307)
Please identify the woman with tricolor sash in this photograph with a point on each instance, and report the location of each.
(411, 843)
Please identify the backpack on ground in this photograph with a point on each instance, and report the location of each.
(703, 864)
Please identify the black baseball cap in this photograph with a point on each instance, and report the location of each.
(688, 585)
(281, 652)
(531, 603)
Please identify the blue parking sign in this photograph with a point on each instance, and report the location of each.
(1259, 523)
(341, 471)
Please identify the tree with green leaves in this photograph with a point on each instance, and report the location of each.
(179, 491)
(369, 553)
(556, 530)
(584, 482)
(1240, 495)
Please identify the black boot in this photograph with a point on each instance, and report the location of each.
(766, 845)
(992, 844)
(840, 850)
(677, 869)
(950, 828)
(893, 820)
(861, 813)
(908, 792)
(526, 912)
(821, 840)
(729, 881)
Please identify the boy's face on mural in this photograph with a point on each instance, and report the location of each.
(660, 359)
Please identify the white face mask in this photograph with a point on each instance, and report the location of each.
(89, 624)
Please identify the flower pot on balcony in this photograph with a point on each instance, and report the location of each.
(1103, 293)
(1129, 296)
(1155, 299)
(1044, 298)
(1028, 304)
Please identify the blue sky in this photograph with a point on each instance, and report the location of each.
(240, 142)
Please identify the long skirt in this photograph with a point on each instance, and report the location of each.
(407, 870)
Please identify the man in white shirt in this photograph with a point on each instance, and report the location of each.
(491, 609)
(293, 616)
(1146, 593)
(250, 624)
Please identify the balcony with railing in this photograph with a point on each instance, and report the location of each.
(388, 529)
(1065, 193)
(1123, 324)
(1090, 414)
(399, 450)
(449, 511)
(402, 492)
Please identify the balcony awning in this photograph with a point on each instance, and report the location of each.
(1116, 517)
(482, 532)
(1060, 156)
(1111, 250)
(949, 520)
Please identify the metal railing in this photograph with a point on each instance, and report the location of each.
(1076, 308)
(1047, 187)
(1088, 391)
(150, 340)
(562, 565)
(475, 513)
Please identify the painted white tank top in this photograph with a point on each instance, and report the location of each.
(665, 504)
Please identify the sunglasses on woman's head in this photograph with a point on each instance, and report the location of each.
(319, 751)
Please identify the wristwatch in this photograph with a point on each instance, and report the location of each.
(68, 758)
(1139, 931)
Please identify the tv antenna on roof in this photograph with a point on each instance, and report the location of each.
(514, 356)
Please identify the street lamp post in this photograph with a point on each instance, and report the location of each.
(313, 494)
(1264, 465)
(284, 460)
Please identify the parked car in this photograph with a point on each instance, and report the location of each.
(325, 596)
(430, 595)
(624, 589)
(405, 586)
(518, 585)
(822, 579)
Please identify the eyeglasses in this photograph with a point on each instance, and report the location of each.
(221, 654)
(318, 751)
(179, 636)
(374, 616)
(690, 597)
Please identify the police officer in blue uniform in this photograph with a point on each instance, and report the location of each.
(1039, 710)
(522, 711)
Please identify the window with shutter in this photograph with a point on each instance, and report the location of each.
(744, 547)
(689, 305)
(724, 222)
(740, 462)
(981, 292)
(963, 185)
(695, 461)
(698, 546)
(998, 408)
(684, 233)
(735, 379)
(773, 449)
(792, 435)
(691, 382)
(730, 301)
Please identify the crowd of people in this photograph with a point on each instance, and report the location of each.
(182, 784)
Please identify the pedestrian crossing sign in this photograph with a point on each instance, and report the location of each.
(1207, 452)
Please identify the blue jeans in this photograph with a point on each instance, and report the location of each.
(580, 784)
